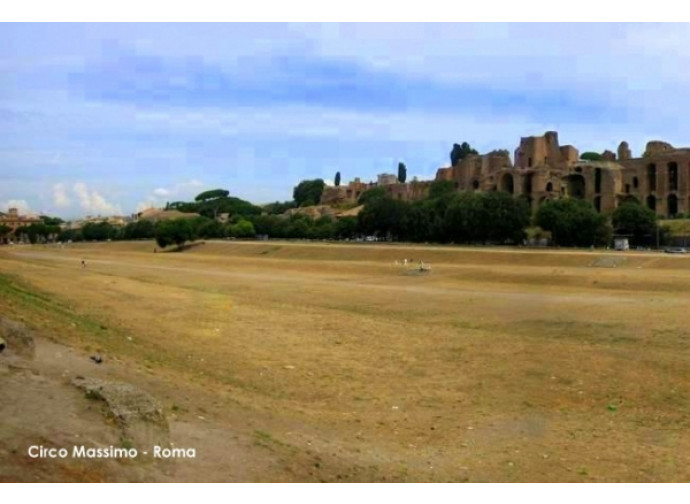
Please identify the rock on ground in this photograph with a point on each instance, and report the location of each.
(138, 415)
(19, 339)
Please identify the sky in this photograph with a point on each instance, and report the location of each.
(105, 119)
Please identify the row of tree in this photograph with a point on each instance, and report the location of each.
(215, 202)
(45, 230)
(444, 217)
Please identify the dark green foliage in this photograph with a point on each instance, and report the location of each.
(142, 229)
(212, 194)
(370, 194)
(208, 228)
(99, 231)
(308, 192)
(35, 232)
(242, 229)
(383, 217)
(174, 231)
(323, 228)
(460, 152)
(51, 221)
(278, 207)
(491, 217)
(299, 226)
(635, 219)
(233, 206)
(402, 172)
(591, 156)
(345, 228)
(213, 203)
(573, 222)
(183, 206)
(70, 234)
(424, 221)
(467, 217)
(337, 179)
(440, 188)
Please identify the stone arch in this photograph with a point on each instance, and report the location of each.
(636, 183)
(597, 180)
(527, 184)
(597, 203)
(549, 187)
(651, 176)
(475, 184)
(507, 183)
(673, 176)
(651, 202)
(672, 205)
(576, 186)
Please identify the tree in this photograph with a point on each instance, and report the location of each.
(209, 228)
(277, 207)
(51, 221)
(70, 235)
(212, 194)
(573, 222)
(466, 218)
(337, 179)
(402, 172)
(422, 222)
(99, 231)
(508, 217)
(383, 217)
(635, 219)
(308, 192)
(243, 229)
(299, 227)
(323, 228)
(142, 229)
(440, 188)
(177, 231)
(346, 227)
(460, 152)
(591, 156)
(370, 194)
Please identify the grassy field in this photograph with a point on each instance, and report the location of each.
(498, 365)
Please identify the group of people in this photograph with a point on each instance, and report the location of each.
(422, 266)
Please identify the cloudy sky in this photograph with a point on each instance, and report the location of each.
(105, 119)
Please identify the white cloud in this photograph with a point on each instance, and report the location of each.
(60, 197)
(93, 202)
(21, 205)
(179, 191)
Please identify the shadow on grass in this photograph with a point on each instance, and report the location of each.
(181, 248)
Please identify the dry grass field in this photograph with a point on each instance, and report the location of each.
(328, 362)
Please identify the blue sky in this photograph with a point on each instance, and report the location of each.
(108, 118)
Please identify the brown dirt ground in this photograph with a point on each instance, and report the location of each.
(327, 362)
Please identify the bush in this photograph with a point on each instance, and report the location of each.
(175, 231)
(635, 219)
(573, 222)
(243, 229)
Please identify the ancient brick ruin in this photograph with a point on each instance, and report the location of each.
(545, 170)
